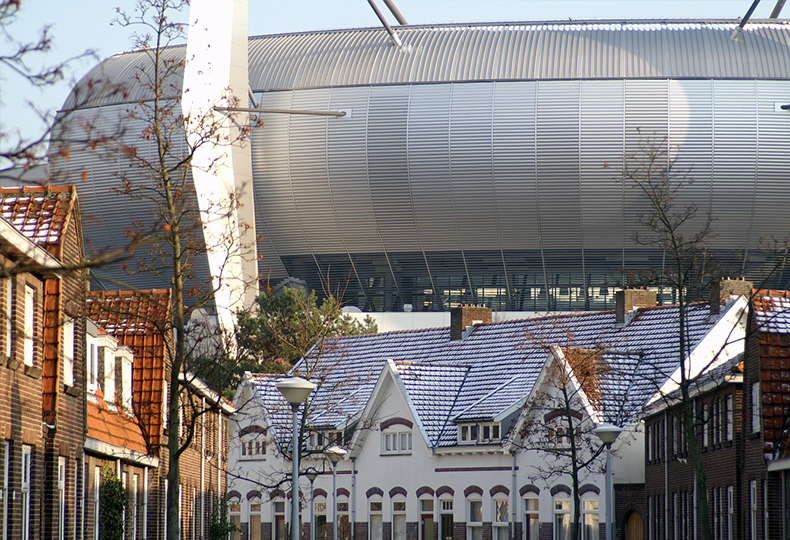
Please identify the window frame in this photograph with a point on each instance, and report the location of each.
(68, 351)
(756, 408)
(396, 440)
(593, 513)
(398, 514)
(561, 513)
(497, 532)
(29, 321)
(379, 514)
(446, 507)
(26, 486)
(530, 516)
(431, 514)
(729, 405)
(474, 528)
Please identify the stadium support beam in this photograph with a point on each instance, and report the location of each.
(216, 75)
(393, 36)
(396, 12)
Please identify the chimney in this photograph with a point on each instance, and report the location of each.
(628, 300)
(465, 316)
(721, 290)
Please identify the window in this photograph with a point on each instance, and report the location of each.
(445, 519)
(714, 517)
(501, 529)
(489, 433)
(765, 508)
(318, 440)
(729, 409)
(398, 520)
(27, 463)
(562, 518)
(474, 520)
(135, 503)
(376, 520)
(93, 364)
(674, 432)
(426, 519)
(753, 509)
(730, 512)
(320, 519)
(590, 529)
(126, 382)
(255, 519)
(676, 524)
(705, 420)
(96, 497)
(61, 498)
(109, 377)
(9, 323)
(6, 480)
(467, 434)
(253, 446)
(125, 484)
(396, 440)
(280, 532)
(343, 521)
(68, 351)
(531, 518)
(234, 508)
(756, 417)
(29, 347)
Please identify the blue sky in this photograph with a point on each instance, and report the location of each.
(87, 25)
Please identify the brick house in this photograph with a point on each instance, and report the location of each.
(43, 377)
(437, 424)
(766, 419)
(134, 319)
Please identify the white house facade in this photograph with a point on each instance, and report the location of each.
(464, 433)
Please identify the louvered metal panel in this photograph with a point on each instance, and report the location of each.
(490, 184)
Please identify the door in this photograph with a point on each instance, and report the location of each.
(633, 527)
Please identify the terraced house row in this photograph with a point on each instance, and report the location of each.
(471, 432)
(83, 380)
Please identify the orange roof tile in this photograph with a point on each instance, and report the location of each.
(116, 428)
(41, 213)
(135, 319)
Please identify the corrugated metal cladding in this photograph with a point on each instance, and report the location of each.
(491, 184)
(483, 52)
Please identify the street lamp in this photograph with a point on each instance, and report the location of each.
(608, 433)
(311, 475)
(295, 390)
(335, 454)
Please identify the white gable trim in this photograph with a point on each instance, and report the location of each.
(723, 342)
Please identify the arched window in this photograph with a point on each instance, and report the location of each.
(234, 508)
(446, 516)
(501, 516)
(396, 438)
(562, 516)
(319, 502)
(399, 517)
(343, 521)
(376, 518)
(426, 517)
(252, 442)
(255, 516)
(531, 516)
(474, 517)
(590, 516)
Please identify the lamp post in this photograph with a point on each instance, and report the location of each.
(311, 475)
(295, 390)
(608, 433)
(335, 454)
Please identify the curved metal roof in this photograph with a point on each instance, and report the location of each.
(491, 51)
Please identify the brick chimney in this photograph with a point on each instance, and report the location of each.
(721, 290)
(628, 300)
(465, 316)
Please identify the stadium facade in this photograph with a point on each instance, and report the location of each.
(477, 163)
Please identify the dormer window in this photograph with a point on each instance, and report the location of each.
(483, 433)
(320, 440)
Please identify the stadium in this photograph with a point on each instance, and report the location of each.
(478, 163)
